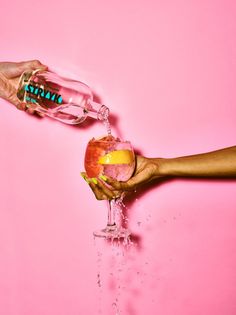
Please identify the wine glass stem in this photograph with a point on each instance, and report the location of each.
(111, 213)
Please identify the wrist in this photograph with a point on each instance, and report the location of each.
(163, 167)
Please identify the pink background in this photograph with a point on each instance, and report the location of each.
(167, 71)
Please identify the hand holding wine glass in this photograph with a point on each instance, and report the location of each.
(146, 170)
(219, 163)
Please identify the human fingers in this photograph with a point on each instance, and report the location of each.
(41, 115)
(92, 182)
(100, 189)
(131, 184)
(21, 106)
(35, 112)
(107, 190)
(32, 64)
(28, 108)
(99, 194)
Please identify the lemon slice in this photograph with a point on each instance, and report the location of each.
(117, 157)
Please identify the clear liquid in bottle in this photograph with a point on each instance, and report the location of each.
(63, 99)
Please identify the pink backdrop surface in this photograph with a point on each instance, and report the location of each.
(167, 71)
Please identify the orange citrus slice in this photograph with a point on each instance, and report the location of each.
(117, 157)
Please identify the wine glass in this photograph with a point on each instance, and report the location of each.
(114, 158)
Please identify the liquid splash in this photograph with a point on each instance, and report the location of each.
(119, 275)
(115, 307)
(99, 278)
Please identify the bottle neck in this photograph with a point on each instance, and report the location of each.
(97, 111)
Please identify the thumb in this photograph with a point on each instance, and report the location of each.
(14, 70)
(32, 65)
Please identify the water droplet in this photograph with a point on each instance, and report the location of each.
(99, 280)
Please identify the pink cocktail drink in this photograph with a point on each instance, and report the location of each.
(118, 166)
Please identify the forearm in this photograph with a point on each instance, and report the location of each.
(220, 163)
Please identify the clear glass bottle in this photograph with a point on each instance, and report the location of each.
(66, 100)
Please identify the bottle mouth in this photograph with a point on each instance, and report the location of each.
(97, 111)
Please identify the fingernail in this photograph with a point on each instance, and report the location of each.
(94, 180)
(27, 105)
(103, 177)
(85, 178)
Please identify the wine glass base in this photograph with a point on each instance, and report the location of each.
(113, 232)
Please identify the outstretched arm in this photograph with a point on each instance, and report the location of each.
(220, 163)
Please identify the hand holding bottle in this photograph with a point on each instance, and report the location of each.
(10, 73)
